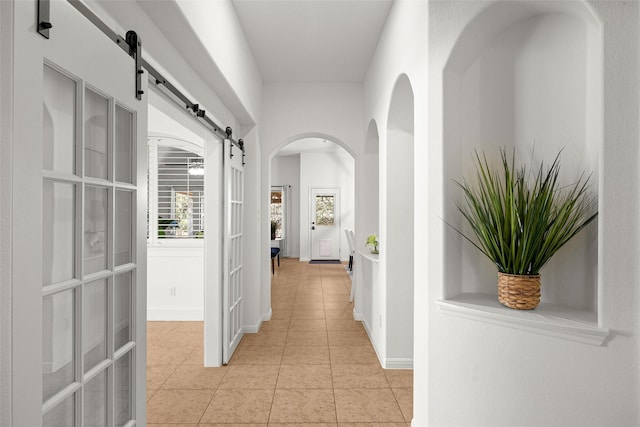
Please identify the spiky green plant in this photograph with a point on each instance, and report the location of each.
(522, 219)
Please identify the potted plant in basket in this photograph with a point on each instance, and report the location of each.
(372, 243)
(521, 219)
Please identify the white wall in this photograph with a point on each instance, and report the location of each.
(285, 170)
(401, 50)
(6, 161)
(463, 371)
(468, 373)
(326, 170)
(295, 111)
(253, 292)
(175, 277)
(209, 60)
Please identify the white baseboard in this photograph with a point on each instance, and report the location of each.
(177, 314)
(386, 363)
(359, 317)
(252, 329)
(398, 363)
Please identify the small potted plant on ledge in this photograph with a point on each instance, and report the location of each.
(372, 243)
(521, 219)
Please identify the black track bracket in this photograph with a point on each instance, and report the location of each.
(43, 23)
(135, 51)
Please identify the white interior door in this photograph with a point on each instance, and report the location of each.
(80, 265)
(232, 254)
(325, 224)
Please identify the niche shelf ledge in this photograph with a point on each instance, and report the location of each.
(547, 319)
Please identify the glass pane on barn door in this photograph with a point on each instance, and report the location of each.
(59, 122)
(124, 145)
(95, 229)
(58, 324)
(58, 232)
(123, 227)
(63, 415)
(95, 401)
(123, 393)
(122, 300)
(94, 323)
(96, 123)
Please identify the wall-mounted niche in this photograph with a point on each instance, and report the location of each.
(525, 76)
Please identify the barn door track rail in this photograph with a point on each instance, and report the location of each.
(132, 45)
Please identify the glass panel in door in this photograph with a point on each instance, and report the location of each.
(94, 323)
(95, 398)
(58, 349)
(96, 135)
(58, 232)
(325, 210)
(123, 227)
(123, 396)
(59, 122)
(96, 211)
(122, 300)
(124, 137)
(63, 415)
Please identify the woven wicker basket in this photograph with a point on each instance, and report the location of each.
(519, 292)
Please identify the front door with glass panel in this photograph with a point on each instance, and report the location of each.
(87, 208)
(325, 224)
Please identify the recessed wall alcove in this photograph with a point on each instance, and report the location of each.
(525, 76)
(398, 239)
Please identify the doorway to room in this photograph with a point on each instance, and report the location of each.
(306, 165)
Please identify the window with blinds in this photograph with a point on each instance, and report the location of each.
(176, 190)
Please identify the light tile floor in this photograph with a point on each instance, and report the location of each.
(310, 365)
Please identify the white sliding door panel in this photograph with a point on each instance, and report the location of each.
(79, 262)
(232, 258)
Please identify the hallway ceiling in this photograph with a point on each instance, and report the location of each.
(312, 41)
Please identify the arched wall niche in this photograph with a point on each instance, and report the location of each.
(397, 240)
(371, 189)
(525, 76)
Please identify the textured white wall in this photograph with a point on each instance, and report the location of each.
(402, 49)
(6, 161)
(475, 372)
(294, 111)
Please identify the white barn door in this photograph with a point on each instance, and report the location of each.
(79, 251)
(232, 255)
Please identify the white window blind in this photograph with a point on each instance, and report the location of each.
(176, 191)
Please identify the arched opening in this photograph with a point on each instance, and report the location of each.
(525, 76)
(298, 166)
(398, 238)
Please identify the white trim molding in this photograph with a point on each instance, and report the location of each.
(547, 319)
